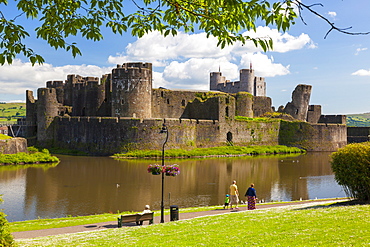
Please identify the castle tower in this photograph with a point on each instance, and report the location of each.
(298, 107)
(259, 86)
(247, 81)
(132, 90)
(47, 109)
(216, 78)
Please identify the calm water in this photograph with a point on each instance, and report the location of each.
(91, 185)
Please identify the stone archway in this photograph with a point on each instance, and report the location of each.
(229, 137)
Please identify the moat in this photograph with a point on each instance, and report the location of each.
(93, 185)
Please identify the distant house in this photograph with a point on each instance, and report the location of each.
(4, 130)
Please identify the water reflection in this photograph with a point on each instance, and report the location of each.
(90, 185)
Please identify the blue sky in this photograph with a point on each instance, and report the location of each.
(337, 67)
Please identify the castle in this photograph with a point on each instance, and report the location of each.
(121, 111)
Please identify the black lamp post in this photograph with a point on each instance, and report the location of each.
(163, 130)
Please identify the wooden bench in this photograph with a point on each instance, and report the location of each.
(135, 218)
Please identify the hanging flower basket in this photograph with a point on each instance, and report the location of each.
(155, 169)
(172, 170)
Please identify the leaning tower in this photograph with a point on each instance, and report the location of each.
(132, 90)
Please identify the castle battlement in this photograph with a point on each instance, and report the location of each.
(124, 112)
(247, 83)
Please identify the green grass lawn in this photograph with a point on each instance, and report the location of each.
(288, 226)
(213, 151)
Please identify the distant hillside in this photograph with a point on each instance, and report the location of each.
(358, 120)
(12, 111)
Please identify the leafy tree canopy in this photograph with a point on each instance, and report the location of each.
(59, 20)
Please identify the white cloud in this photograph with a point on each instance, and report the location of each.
(358, 50)
(362, 72)
(282, 42)
(187, 59)
(157, 49)
(194, 73)
(332, 14)
(183, 61)
(19, 77)
(263, 65)
(160, 50)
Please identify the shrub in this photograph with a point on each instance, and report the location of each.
(6, 239)
(351, 166)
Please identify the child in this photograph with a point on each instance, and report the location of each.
(227, 200)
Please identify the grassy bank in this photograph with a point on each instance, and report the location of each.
(39, 224)
(289, 226)
(34, 156)
(213, 151)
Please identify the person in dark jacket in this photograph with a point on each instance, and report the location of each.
(251, 197)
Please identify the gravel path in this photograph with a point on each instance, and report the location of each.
(182, 216)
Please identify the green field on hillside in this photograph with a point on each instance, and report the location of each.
(12, 111)
(358, 120)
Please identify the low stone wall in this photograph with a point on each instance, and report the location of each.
(313, 137)
(358, 134)
(13, 145)
(106, 136)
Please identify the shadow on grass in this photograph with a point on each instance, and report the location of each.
(337, 204)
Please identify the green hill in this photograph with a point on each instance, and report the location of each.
(358, 120)
(12, 111)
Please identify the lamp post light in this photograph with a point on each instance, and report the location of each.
(163, 130)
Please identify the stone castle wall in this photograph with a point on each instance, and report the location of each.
(358, 134)
(313, 137)
(106, 136)
(122, 112)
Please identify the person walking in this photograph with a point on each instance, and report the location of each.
(227, 201)
(251, 197)
(234, 195)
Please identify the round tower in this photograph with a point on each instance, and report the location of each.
(247, 81)
(132, 90)
(215, 79)
(47, 109)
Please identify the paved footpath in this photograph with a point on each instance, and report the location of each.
(182, 216)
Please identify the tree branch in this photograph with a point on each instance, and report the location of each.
(302, 6)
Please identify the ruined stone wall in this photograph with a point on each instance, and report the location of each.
(250, 132)
(338, 119)
(244, 104)
(298, 107)
(31, 108)
(170, 103)
(13, 145)
(192, 104)
(314, 113)
(313, 137)
(261, 105)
